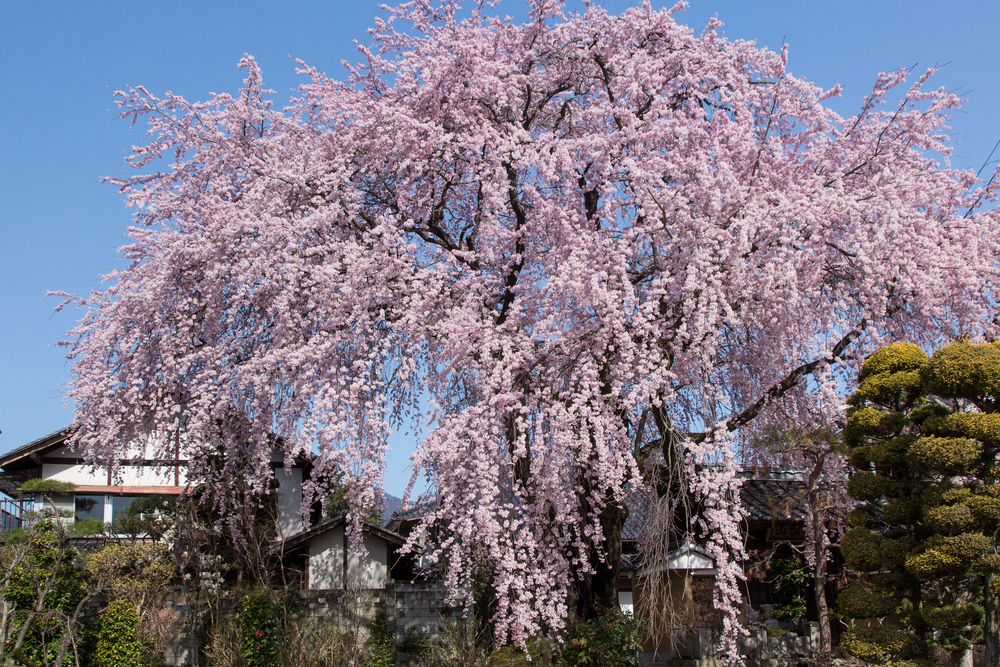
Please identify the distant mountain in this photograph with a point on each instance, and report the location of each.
(392, 504)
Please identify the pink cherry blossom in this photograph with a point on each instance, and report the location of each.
(546, 230)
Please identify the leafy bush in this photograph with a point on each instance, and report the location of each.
(382, 645)
(416, 644)
(953, 616)
(118, 642)
(901, 512)
(945, 456)
(313, 643)
(45, 572)
(133, 572)
(611, 640)
(860, 547)
(892, 359)
(865, 485)
(881, 645)
(964, 370)
(259, 630)
(47, 486)
(857, 602)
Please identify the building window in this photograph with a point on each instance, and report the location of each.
(90, 507)
(119, 504)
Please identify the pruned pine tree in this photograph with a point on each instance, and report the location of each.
(924, 436)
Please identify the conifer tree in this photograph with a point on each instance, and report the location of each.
(923, 434)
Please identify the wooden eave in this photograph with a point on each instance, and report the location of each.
(307, 535)
(30, 455)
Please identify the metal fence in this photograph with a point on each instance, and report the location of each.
(12, 512)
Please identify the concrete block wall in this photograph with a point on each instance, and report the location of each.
(420, 606)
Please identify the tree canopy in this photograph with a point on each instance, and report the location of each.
(595, 242)
(924, 440)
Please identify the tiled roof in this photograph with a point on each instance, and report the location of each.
(777, 495)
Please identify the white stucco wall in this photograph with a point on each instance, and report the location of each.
(289, 501)
(127, 475)
(625, 601)
(369, 572)
(326, 562)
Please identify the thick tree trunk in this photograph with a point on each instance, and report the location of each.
(991, 623)
(598, 592)
(820, 550)
(819, 580)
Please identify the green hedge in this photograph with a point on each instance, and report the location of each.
(118, 642)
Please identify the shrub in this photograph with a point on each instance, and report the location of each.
(314, 643)
(857, 602)
(953, 616)
(611, 640)
(865, 485)
(949, 519)
(416, 644)
(946, 456)
(860, 547)
(880, 645)
(118, 642)
(963, 370)
(382, 645)
(49, 568)
(222, 645)
(892, 359)
(259, 630)
(901, 512)
(884, 388)
(860, 517)
(894, 550)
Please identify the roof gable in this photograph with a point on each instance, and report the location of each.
(306, 536)
(28, 456)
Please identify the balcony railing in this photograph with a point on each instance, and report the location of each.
(12, 512)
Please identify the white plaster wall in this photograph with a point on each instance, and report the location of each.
(150, 476)
(127, 475)
(326, 560)
(77, 474)
(371, 571)
(289, 501)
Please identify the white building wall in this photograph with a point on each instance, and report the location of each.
(77, 474)
(289, 501)
(83, 474)
(370, 571)
(326, 560)
(127, 475)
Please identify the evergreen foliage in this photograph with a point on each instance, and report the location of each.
(610, 640)
(259, 630)
(923, 434)
(382, 646)
(45, 587)
(118, 642)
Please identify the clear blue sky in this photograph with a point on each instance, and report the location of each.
(60, 61)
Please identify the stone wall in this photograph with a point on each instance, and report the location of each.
(416, 606)
(420, 606)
